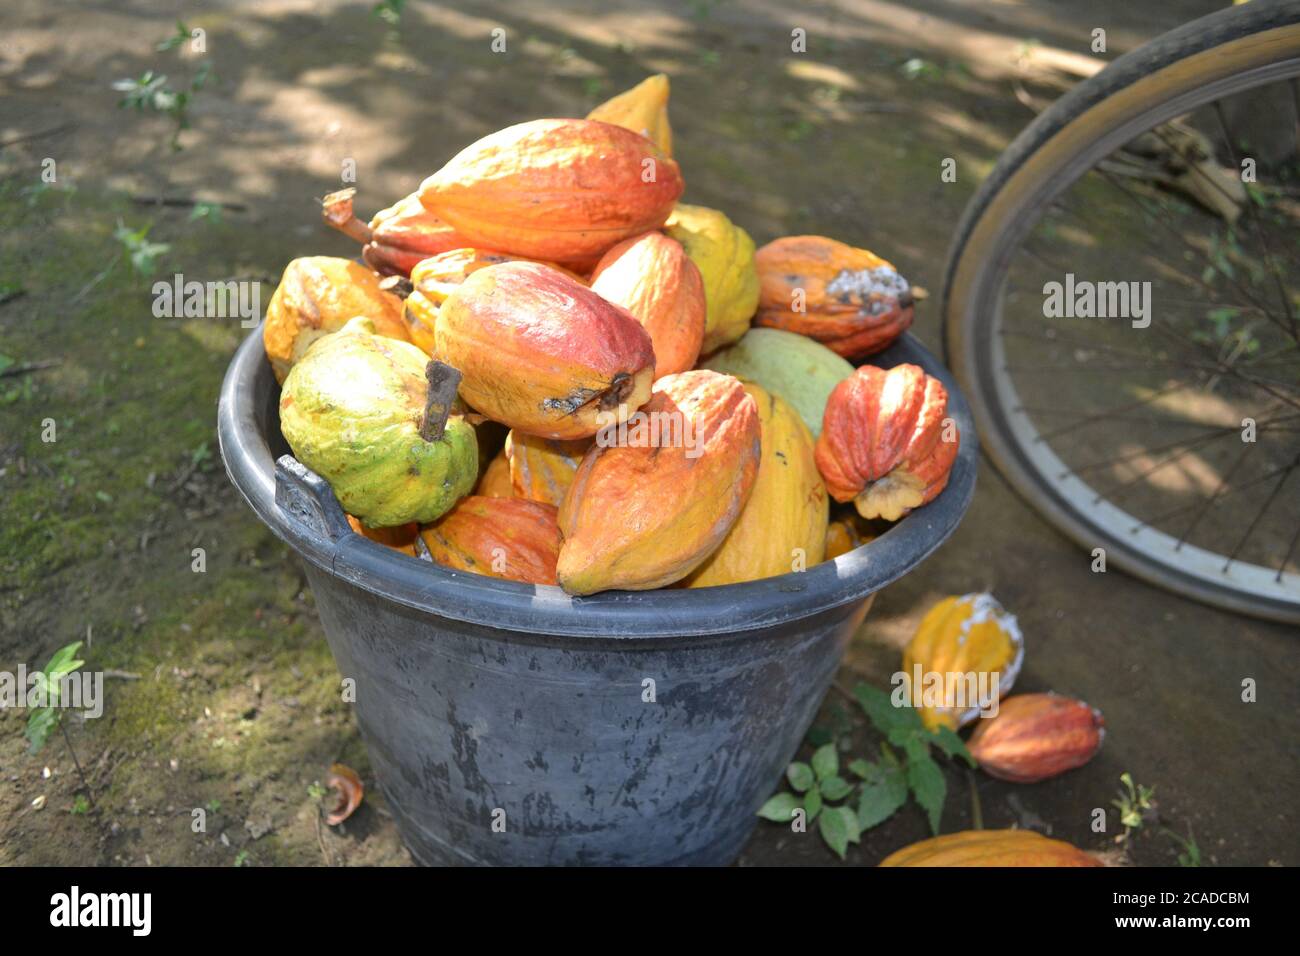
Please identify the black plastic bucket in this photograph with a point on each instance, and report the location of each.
(512, 724)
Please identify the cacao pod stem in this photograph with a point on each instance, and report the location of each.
(443, 383)
(337, 210)
(400, 286)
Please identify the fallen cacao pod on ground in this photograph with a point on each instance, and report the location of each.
(371, 415)
(964, 637)
(652, 277)
(887, 443)
(561, 190)
(318, 295)
(991, 848)
(1036, 736)
(507, 538)
(625, 519)
(782, 527)
(849, 299)
(542, 353)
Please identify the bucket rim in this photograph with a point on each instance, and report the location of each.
(300, 508)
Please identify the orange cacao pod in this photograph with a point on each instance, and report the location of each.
(884, 442)
(495, 482)
(563, 190)
(398, 537)
(542, 353)
(652, 277)
(845, 534)
(506, 538)
(397, 237)
(541, 469)
(435, 278)
(991, 848)
(1036, 736)
(650, 503)
(849, 299)
(318, 295)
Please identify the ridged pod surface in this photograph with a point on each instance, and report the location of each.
(970, 634)
(400, 538)
(1036, 736)
(505, 538)
(351, 409)
(783, 525)
(643, 110)
(849, 299)
(318, 295)
(405, 234)
(541, 353)
(991, 848)
(886, 443)
(562, 190)
(801, 371)
(643, 513)
(541, 469)
(435, 278)
(653, 278)
(724, 254)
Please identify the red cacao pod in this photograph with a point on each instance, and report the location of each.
(506, 538)
(1036, 736)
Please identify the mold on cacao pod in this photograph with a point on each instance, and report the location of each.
(849, 299)
(400, 538)
(435, 278)
(561, 190)
(960, 644)
(657, 494)
(801, 371)
(495, 482)
(507, 538)
(847, 533)
(724, 254)
(643, 110)
(315, 297)
(991, 848)
(887, 443)
(782, 527)
(541, 469)
(652, 277)
(371, 415)
(542, 353)
(397, 238)
(1036, 736)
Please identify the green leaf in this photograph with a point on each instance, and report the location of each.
(800, 776)
(62, 662)
(779, 809)
(812, 804)
(835, 788)
(6, 361)
(929, 788)
(946, 739)
(882, 797)
(825, 762)
(915, 747)
(40, 724)
(839, 827)
(862, 769)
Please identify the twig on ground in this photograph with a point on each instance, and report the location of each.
(25, 367)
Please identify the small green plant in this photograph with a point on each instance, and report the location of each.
(845, 808)
(80, 805)
(1134, 803)
(150, 93)
(316, 791)
(920, 69)
(206, 211)
(142, 253)
(213, 805)
(241, 858)
(174, 42)
(390, 11)
(1189, 853)
(42, 721)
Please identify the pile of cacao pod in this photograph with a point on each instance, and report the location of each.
(550, 370)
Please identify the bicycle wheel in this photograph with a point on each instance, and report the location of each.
(1166, 434)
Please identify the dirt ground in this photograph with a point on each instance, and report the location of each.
(222, 694)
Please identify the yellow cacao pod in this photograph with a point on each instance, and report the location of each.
(642, 109)
(783, 525)
(724, 254)
(959, 639)
(991, 848)
(845, 534)
(495, 482)
(541, 469)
